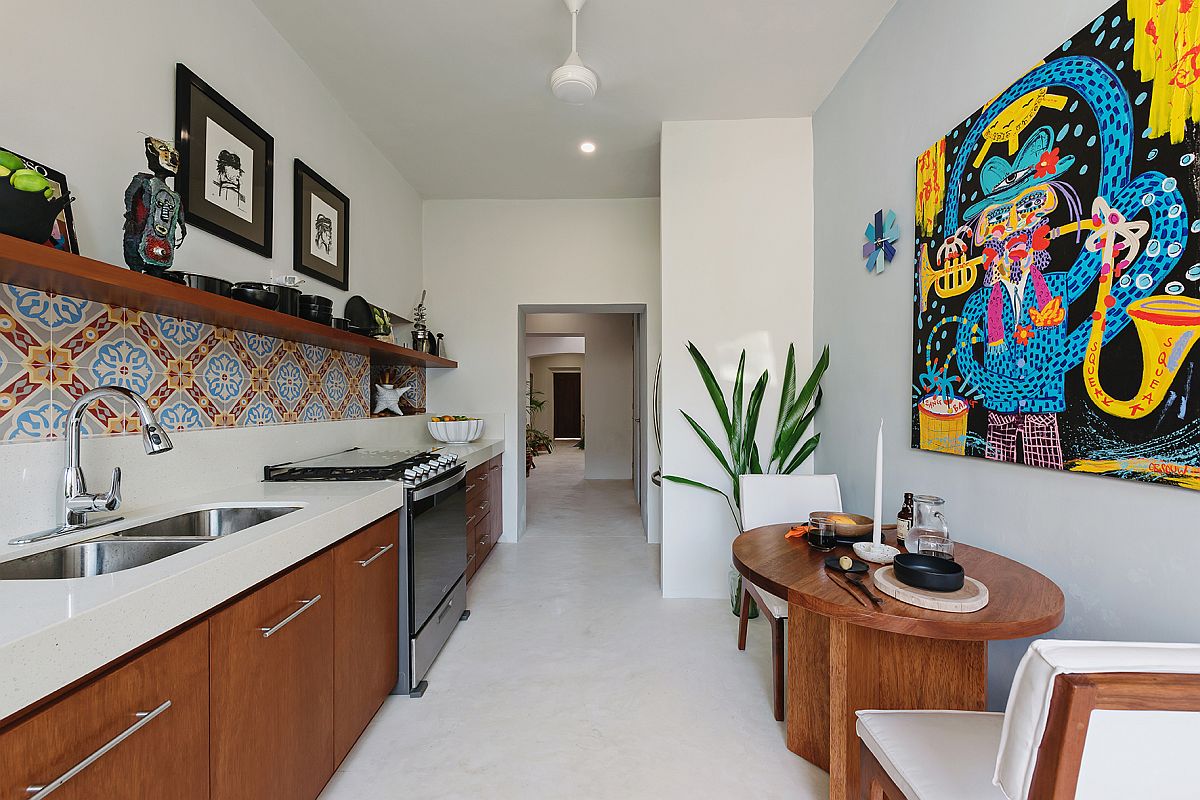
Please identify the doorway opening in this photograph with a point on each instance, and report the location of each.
(583, 383)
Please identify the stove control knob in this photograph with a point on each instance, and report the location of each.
(410, 473)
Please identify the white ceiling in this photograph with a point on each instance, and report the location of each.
(454, 92)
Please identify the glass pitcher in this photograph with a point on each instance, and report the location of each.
(928, 520)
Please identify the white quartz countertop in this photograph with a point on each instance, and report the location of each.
(53, 632)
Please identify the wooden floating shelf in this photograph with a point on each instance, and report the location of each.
(36, 266)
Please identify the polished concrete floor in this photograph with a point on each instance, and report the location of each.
(573, 678)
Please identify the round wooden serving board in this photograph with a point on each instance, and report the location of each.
(972, 597)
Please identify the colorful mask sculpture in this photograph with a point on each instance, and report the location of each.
(154, 211)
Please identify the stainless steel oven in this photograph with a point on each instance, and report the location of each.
(436, 532)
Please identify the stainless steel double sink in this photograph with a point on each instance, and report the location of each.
(140, 544)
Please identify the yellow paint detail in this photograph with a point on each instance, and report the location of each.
(1184, 475)
(1166, 49)
(931, 186)
(1013, 120)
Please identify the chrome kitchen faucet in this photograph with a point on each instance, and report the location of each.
(77, 501)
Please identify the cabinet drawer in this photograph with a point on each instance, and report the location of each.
(141, 731)
(477, 482)
(271, 688)
(478, 508)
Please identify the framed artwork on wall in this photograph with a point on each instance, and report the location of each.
(1057, 274)
(228, 166)
(322, 229)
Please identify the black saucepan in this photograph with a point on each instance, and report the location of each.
(256, 294)
(207, 283)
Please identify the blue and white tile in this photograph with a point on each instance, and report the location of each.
(258, 413)
(182, 335)
(257, 346)
(315, 410)
(288, 382)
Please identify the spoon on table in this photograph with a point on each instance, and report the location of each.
(874, 598)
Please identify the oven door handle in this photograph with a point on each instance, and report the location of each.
(455, 475)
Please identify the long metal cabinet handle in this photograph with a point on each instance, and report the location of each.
(144, 717)
(305, 605)
(470, 486)
(484, 505)
(367, 562)
(470, 519)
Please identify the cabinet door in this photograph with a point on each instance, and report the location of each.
(496, 487)
(271, 688)
(141, 731)
(366, 627)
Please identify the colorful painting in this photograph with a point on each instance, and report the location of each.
(1057, 284)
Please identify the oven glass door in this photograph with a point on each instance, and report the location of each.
(437, 547)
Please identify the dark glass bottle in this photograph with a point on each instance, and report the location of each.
(904, 518)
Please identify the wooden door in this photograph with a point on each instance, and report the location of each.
(167, 754)
(568, 405)
(271, 696)
(366, 569)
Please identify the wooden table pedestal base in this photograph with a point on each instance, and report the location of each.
(836, 668)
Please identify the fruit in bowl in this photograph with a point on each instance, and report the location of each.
(455, 429)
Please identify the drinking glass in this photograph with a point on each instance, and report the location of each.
(929, 543)
(821, 534)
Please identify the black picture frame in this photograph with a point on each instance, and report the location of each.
(234, 211)
(310, 189)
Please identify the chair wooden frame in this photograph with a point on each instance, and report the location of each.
(778, 635)
(1060, 753)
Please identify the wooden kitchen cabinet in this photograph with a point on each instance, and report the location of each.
(272, 688)
(496, 487)
(366, 570)
(485, 511)
(165, 756)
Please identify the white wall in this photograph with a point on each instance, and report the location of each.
(737, 269)
(549, 345)
(83, 80)
(903, 92)
(87, 77)
(485, 258)
(608, 397)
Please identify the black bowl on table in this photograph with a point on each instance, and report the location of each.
(255, 294)
(928, 572)
(207, 283)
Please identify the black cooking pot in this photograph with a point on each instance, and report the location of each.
(207, 283)
(256, 294)
(289, 298)
(321, 315)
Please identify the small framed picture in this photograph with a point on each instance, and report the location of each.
(15, 204)
(322, 246)
(227, 173)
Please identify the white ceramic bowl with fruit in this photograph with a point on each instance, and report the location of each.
(455, 429)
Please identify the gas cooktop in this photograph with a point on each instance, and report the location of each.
(413, 468)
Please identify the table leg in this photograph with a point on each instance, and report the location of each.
(870, 668)
(808, 685)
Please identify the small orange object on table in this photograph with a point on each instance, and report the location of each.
(844, 657)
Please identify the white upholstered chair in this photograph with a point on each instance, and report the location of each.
(772, 500)
(1085, 721)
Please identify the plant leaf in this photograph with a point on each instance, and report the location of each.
(803, 453)
(714, 389)
(752, 413)
(787, 397)
(738, 435)
(712, 446)
(796, 430)
(690, 482)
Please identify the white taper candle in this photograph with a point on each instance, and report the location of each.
(877, 534)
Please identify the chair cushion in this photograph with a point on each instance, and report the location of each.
(775, 605)
(935, 755)
(1029, 699)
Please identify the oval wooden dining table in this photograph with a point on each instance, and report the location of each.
(843, 656)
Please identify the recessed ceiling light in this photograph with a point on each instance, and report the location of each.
(588, 147)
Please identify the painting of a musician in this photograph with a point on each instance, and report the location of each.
(1058, 229)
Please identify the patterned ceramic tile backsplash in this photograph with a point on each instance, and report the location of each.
(54, 348)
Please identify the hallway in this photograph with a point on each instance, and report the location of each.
(574, 678)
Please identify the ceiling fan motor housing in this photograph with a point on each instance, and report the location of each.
(574, 82)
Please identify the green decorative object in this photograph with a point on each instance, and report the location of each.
(739, 425)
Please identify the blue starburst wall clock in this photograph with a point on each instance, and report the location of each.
(880, 237)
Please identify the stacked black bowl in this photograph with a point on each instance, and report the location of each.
(316, 308)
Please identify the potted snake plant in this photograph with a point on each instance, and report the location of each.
(739, 417)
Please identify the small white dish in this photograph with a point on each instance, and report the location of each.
(875, 553)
